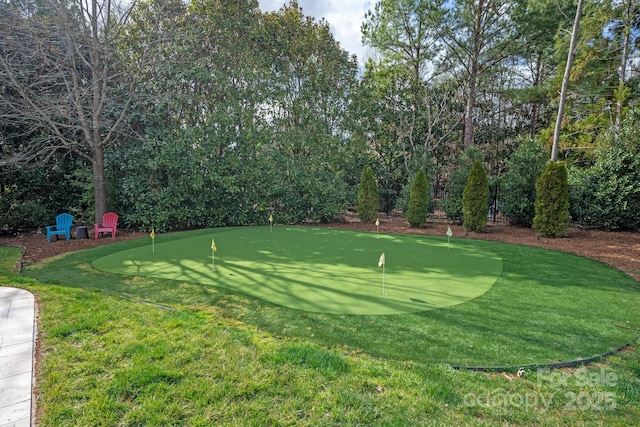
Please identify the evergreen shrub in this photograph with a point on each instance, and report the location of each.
(552, 201)
(367, 196)
(418, 200)
(475, 199)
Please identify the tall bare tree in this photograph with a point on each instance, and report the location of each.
(62, 81)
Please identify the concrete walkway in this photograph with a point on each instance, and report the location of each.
(17, 339)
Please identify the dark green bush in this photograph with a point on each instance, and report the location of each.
(31, 197)
(475, 199)
(583, 198)
(518, 184)
(608, 193)
(458, 178)
(367, 196)
(552, 201)
(418, 200)
(388, 198)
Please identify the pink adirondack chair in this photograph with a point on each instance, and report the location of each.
(108, 225)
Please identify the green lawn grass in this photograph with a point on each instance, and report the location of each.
(544, 307)
(115, 360)
(320, 270)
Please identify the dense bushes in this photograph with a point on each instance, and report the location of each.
(608, 193)
(367, 196)
(31, 198)
(175, 186)
(475, 199)
(518, 189)
(552, 201)
(418, 200)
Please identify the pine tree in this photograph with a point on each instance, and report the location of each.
(475, 198)
(418, 200)
(367, 196)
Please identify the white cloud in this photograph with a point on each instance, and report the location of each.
(344, 17)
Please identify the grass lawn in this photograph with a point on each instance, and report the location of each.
(144, 350)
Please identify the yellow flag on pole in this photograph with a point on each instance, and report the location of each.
(381, 260)
(214, 248)
(152, 234)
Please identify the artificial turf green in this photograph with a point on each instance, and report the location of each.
(320, 270)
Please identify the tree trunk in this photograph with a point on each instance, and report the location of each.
(99, 185)
(470, 109)
(565, 82)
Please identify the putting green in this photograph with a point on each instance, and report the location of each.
(321, 270)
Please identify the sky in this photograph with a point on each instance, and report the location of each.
(344, 18)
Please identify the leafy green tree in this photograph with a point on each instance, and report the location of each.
(475, 198)
(243, 111)
(418, 201)
(552, 201)
(518, 189)
(367, 196)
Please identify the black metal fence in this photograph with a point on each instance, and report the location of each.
(390, 202)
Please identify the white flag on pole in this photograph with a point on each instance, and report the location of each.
(381, 260)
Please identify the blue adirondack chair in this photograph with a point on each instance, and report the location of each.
(64, 221)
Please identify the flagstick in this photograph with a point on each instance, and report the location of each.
(153, 246)
(382, 262)
(213, 260)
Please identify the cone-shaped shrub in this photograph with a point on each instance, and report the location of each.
(552, 201)
(475, 198)
(418, 200)
(367, 196)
